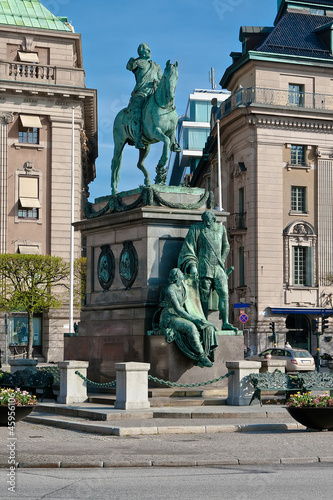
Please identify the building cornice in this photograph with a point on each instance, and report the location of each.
(273, 58)
(290, 123)
(61, 93)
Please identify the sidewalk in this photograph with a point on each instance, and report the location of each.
(164, 436)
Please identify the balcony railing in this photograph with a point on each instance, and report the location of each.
(275, 98)
(41, 73)
(31, 71)
(237, 222)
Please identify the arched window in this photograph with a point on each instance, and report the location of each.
(300, 255)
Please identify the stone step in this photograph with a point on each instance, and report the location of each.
(174, 392)
(165, 401)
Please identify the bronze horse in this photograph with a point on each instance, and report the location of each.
(159, 122)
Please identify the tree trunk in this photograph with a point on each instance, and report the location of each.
(30, 334)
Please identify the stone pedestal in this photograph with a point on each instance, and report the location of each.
(169, 363)
(132, 386)
(240, 390)
(72, 388)
(141, 245)
(23, 364)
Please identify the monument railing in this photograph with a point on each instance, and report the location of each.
(160, 381)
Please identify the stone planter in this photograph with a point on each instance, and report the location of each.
(20, 413)
(311, 417)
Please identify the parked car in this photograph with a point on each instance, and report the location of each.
(297, 359)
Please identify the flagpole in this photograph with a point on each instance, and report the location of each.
(71, 260)
(219, 165)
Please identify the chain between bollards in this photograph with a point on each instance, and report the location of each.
(157, 380)
(96, 384)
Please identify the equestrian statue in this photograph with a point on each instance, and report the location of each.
(150, 116)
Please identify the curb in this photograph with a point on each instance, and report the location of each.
(136, 431)
(169, 463)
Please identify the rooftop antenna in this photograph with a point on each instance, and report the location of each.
(212, 78)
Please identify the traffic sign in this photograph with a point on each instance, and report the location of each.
(243, 318)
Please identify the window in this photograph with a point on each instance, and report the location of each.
(302, 266)
(317, 12)
(195, 138)
(297, 155)
(29, 135)
(296, 94)
(241, 266)
(299, 258)
(28, 197)
(200, 111)
(18, 330)
(29, 129)
(241, 211)
(28, 213)
(298, 199)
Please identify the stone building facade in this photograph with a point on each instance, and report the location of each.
(276, 153)
(42, 94)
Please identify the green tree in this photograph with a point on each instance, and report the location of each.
(31, 283)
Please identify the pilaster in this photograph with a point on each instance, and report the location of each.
(5, 119)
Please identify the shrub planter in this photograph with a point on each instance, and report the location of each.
(20, 413)
(312, 417)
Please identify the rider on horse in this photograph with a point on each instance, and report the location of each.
(147, 75)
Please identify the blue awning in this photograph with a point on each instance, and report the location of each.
(299, 310)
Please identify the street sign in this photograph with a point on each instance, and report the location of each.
(243, 318)
(241, 305)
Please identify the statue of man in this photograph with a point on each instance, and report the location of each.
(203, 255)
(147, 75)
(193, 334)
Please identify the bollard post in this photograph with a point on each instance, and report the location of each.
(239, 388)
(132, 386)
(72, 388)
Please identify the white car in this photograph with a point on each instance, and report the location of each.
(297, 359)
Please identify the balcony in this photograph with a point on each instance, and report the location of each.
(20, 71)
(38, 73)
(275, 98)
(237, 222)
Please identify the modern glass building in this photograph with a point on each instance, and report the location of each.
(193, 129)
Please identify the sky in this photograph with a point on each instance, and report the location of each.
(199, 34)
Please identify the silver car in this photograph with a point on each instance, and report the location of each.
(297, 359)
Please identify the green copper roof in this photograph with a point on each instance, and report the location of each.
(30, 14)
